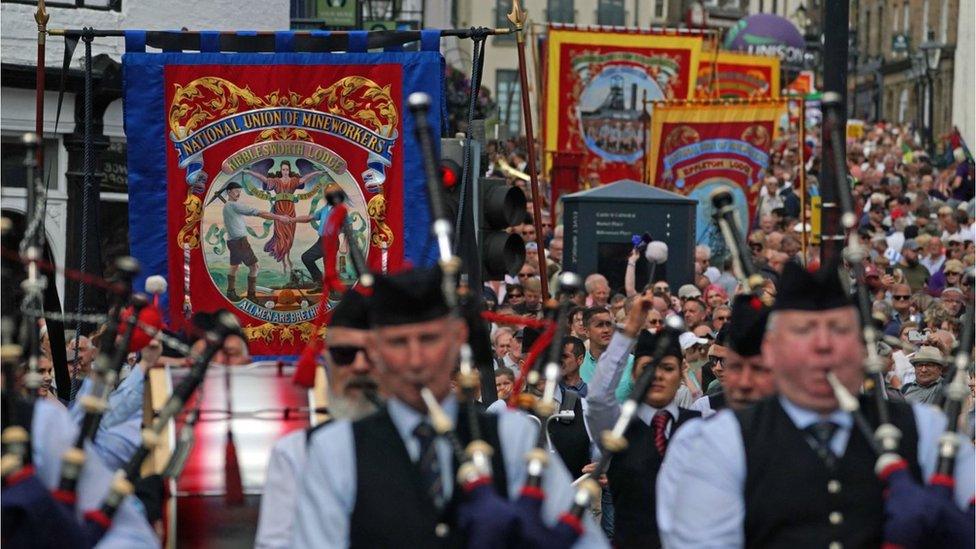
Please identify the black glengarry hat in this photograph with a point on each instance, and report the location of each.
(802, 290)
(744, 331)
(407, 297)
(647, 343)
(352, 311)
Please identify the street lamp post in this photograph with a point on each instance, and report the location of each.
(931, 55)
(917, 75)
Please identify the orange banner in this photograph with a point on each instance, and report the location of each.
(737, 76)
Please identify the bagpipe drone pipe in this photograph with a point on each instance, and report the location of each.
(123, 485)
(29, 507)
(485, 517)
(916, 515)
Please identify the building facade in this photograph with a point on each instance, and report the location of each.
(887, 80)
(64, 143)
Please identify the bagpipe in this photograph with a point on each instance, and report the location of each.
(915, 514)
(484, 516)
(724, 215)
(125, 479)
(29, 507)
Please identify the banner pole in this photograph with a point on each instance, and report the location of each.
(801, 139)
(517, 16)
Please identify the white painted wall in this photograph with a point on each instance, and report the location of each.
(18, 31)
(963, 92)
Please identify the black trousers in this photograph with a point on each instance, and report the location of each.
(310, 256)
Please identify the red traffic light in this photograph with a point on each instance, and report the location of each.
(450, 173)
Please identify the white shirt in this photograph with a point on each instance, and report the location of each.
(328, 493)
(281, 491)
(704, 406)
(52, 433)
(716, 491)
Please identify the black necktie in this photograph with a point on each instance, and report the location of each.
(429, 465)
(822, 432)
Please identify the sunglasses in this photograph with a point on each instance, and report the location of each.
(515, 295)
(344, 355)
(952, 273)
(655, 322)
(524, 275)
(717, 359)
(902, 297)
(723, 318)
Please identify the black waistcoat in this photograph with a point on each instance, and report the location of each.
(794, 500)
(392, 509)
(717, 401)
(570, 439)
(632, 475)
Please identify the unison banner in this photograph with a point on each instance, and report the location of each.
(697, 146)
(596, 80)
(230, 157)
(737, 76)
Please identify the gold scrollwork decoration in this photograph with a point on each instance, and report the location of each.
(210, 98)
(189, 235)
(376, 210)
(283, 333)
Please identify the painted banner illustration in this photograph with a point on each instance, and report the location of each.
(697, 146)
(231, 156)
(595, 83)
(737, 76)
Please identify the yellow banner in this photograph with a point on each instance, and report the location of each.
(596, 81)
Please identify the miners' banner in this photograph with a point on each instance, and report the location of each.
(230, 157)
(737, 76)
(697, 146)
(595, 82)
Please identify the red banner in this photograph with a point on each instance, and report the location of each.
(258, 147)
(596, 82)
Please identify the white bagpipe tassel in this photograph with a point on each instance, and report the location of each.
(187, 306)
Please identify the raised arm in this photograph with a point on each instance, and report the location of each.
(603, 406)
(630, 275)
(309, 176)
(262, 178)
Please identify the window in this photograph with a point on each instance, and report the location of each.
(502, 9)
(924, 30)
(879, 50)
(905, 16)
(659, 6)
(12, 169)
(560, 11)
(610, 12)
(508, 91)
(866, 35)
(944, 22)
(903, 106)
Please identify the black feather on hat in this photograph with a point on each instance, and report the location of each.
(744, 331)
(407, 297)
(647, 343)
(802, 290)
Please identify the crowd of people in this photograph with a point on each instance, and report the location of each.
(737, 417)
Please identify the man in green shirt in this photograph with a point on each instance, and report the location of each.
(599, 329)
(916, 275)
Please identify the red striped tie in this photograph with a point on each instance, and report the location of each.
(660, 424)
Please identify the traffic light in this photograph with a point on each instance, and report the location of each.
(452, 158)
(500, 206)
